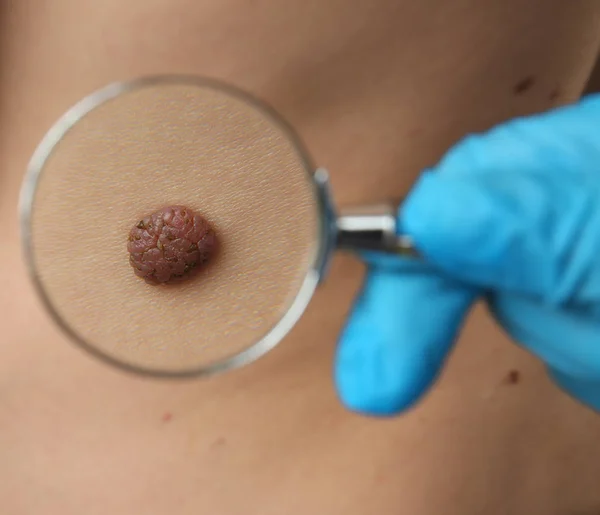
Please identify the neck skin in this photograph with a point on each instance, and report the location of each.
(378, 90)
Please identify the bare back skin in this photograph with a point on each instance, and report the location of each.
(378, 90)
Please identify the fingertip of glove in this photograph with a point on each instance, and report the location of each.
(371, 380)
(376, 400)
(396, 338)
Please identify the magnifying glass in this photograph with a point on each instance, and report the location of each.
(226, 161)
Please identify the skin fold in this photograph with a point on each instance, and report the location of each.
(593, 85)
(378, 90)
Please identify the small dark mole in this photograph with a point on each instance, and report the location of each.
(167, 416)
(513, 377)
(523, 85)
(554, 95)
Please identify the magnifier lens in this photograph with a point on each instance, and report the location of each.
(130, 150)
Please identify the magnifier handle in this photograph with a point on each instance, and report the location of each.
(372, 228)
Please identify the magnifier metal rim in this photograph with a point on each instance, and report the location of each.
(54, 136)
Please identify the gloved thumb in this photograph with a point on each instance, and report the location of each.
(399, 333)
(517, 210)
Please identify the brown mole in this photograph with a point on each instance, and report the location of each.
(513, 377)
(554, 95)
(170, 245)
(523, 85)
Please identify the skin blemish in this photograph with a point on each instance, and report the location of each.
(523, 85)
(167, 416)
(380, 477)
(513, 377)
(219, 442)
(171, 245)
(554, 95)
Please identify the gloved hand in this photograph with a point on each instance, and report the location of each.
(512, 215)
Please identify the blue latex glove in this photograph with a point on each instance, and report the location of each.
(512, 215)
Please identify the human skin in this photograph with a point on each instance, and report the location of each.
(593, 85)
(378, 90)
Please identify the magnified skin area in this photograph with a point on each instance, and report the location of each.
(174, 142)
(378, 90)
(170, 245)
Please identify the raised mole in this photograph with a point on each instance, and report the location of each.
(170, 245)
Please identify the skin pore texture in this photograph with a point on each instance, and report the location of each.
(181, 141)
(378, 90)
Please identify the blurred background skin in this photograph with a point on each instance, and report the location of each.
(378, 90)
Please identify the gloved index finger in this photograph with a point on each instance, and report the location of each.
(400, 331)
